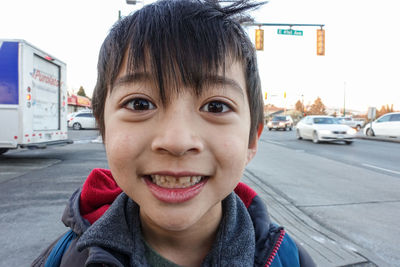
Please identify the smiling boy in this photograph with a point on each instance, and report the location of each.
(179, 105)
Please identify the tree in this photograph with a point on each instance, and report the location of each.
(318, 108)
(384, 110)
(299, 106)
(81, 91)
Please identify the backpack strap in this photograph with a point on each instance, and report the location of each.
(59, 249)
(285, 252)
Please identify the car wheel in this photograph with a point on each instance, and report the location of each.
(298, 134)
(76, 126)
(290, 128)
(370, 132)
(348, 142)
(269, 129)
(315, 138)
(285, 129)
(3, 150)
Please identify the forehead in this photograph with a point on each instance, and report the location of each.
(171, 81)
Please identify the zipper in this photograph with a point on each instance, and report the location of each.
(276, 248)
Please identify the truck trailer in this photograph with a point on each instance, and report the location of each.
(33, 97)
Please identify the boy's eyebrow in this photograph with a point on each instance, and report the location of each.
(209, 79)
(221, 80)
(131, 78)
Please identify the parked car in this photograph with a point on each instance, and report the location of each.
(73, 114)
(349, 121)
(386, 125)
(82, 120)
(280, 122)
(324, 129)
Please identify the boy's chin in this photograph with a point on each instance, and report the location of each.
(183, 218)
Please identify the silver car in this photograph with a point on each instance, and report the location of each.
(324, 129)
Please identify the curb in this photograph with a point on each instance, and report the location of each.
(383, 138)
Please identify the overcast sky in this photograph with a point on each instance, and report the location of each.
(361, 65)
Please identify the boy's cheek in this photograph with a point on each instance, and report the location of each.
(119, 146)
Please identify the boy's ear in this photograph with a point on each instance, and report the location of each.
(254, 143)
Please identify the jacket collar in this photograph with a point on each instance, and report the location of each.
(119, 230)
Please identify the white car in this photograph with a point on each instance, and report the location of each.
(82, 120)
(73, 114)
(324, 129)
(386, 125)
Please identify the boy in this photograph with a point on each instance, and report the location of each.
(180, 109)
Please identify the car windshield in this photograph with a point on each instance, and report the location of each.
(325, 121)
(279, 118)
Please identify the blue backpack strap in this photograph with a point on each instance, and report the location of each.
(287, 254)
(59, 249)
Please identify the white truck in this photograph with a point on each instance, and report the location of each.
(33, 97)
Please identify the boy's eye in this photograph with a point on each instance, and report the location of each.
(139, 104)
(216, 107)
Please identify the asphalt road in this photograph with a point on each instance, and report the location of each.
(330, 183)
(34, 188)
(352, 190)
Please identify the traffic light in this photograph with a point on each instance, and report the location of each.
(259, 39)
(320, 42)
(284, 94)
(265, 96)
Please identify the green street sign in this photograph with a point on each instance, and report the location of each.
(290, 32)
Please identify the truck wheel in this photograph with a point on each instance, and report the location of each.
(76, 126)
(3, 150)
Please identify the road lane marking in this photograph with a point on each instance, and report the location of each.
(379, 168)
(273, 142)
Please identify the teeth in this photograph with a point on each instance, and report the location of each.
(174, 182)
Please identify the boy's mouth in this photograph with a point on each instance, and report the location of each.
(167, 181)
(175, 189)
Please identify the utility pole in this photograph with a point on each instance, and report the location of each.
(344, 99)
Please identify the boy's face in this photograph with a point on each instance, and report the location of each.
(180, 160)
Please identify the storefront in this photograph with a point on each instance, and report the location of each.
(77, 103)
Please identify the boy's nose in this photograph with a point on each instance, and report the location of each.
(178, 135)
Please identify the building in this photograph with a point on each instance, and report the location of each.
(76, 103)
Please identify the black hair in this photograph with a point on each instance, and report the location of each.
(181, 42)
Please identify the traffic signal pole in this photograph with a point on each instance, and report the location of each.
(259, 24)
(260, 33)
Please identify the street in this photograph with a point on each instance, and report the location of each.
(348, 192)
(353, 190)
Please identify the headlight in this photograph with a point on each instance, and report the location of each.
(269, 123)
(281, 123)
(351, 131)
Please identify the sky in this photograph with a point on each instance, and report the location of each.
(360, 69)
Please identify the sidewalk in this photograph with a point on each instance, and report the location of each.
(325, 247)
